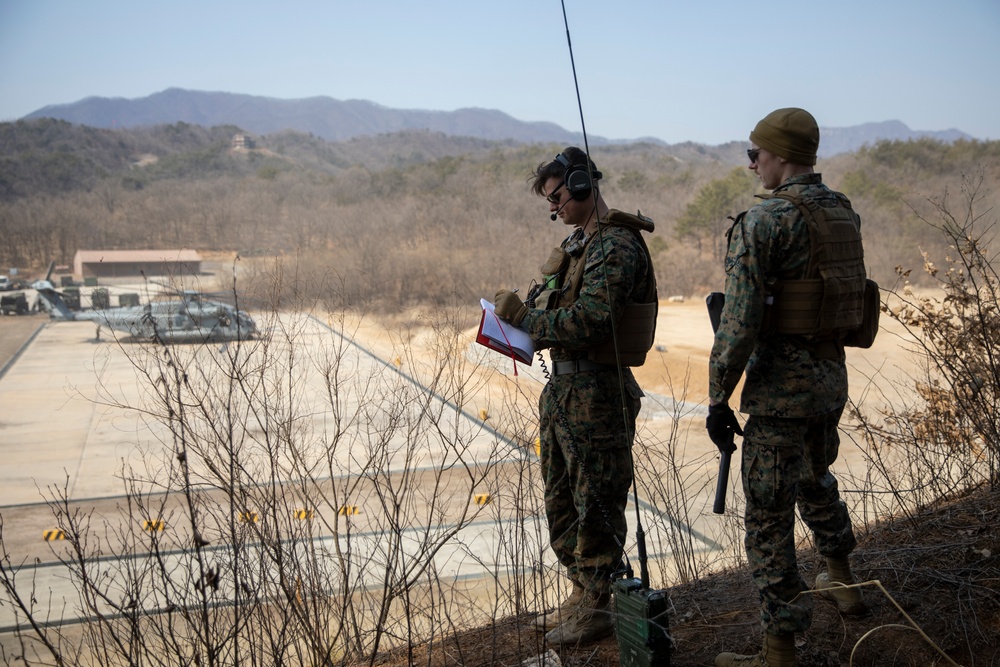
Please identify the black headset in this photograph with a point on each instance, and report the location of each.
(577, 179)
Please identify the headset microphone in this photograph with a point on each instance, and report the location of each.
(556, 213)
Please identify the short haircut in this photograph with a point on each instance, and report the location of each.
(547, 170)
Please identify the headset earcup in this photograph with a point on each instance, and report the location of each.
(578, 183)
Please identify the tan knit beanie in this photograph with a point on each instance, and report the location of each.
(789, 133)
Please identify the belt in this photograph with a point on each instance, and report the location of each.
(826, 349)
(578, 366)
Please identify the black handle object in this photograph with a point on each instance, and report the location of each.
(722, 484)
(715, 302)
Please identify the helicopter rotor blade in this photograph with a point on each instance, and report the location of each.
(166, 288)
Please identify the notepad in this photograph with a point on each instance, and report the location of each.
(504, 337)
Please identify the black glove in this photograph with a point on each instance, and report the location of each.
(721, 424)
(508, 306)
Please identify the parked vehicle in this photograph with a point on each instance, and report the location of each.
(14, 303)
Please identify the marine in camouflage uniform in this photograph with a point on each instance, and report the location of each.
(585, 457)
(585, 442)
(794, 393)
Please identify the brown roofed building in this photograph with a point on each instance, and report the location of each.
(131, 264)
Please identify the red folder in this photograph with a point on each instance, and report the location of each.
(504, 337)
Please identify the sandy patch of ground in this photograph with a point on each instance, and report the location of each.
(678, 364)
(677, 368)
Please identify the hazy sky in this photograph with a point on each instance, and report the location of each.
(698, 70)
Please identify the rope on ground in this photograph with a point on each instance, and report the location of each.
(913, 625)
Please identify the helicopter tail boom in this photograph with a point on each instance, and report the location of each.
(52, 301)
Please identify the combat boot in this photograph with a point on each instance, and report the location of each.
(849, 600)
(778, 651)
(551, 620)
(591, 621)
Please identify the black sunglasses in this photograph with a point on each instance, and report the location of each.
(552, 198)
(752, 153)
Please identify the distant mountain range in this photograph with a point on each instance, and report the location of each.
(834, 140)
(340, 120)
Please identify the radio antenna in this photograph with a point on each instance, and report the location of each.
(576, 84)
(640, 535)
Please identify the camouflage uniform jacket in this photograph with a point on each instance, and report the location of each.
(784, 376)
(580, 323)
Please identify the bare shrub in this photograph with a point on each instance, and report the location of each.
(941, 435)
(305, 504)
(683, 270)
(669, 477)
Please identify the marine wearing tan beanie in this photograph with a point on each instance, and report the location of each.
(789, 133)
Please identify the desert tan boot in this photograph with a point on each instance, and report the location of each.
(551, 620)
(778, 651)
(591, 621)
(849, 600)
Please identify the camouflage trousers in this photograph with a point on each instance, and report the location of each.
(587, 470)
(786, 463)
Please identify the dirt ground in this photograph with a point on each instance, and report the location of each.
(676, 367)
(931, 583)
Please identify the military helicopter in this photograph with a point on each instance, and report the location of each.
(190, 318)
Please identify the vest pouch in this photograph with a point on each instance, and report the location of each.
(864, 335)
(547, 299)
(556, 262)
(635, 332)
(794, 308)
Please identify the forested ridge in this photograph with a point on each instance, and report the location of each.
(419, 217)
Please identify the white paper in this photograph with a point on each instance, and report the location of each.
(505, 334)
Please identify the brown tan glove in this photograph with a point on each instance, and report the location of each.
(509, 307)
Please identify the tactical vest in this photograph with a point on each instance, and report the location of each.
(563, 275)
(828, 303)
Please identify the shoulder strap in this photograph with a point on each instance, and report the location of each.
(637, 224)
(820, 221)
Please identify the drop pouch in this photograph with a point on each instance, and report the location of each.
(864, 335)
(556, 263)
